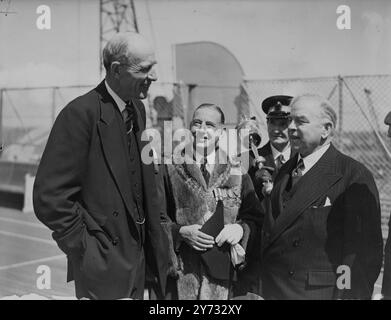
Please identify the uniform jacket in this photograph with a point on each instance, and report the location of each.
(332, 219)
(83, 193)
(266, 152)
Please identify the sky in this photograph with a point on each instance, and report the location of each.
(271, 39)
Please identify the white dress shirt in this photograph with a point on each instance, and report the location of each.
(313, 158)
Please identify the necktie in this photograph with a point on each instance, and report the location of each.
(130, 118)
(295, 176)
(205, 172)
(280, 161)
(297, 173)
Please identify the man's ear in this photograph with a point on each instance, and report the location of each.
(327, 129)
(115, 68)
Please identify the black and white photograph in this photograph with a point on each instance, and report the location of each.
(203, 150)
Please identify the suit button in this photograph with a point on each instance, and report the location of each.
(291, 273)
(115, 241)
(115, 214)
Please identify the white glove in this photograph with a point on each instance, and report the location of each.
(231, 233)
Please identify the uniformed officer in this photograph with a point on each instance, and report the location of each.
(277, 150)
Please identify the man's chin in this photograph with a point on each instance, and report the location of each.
(142, 95)
(296, 144)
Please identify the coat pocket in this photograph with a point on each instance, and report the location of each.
(321, 278)
(94, 223)
(95, 260)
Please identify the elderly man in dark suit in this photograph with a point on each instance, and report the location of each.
(323, 237)
(92, 187)
(386, 287)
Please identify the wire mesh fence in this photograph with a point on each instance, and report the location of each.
(361, 103)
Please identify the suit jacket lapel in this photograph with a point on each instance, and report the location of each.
(310, 187)
(268, 155)
(147, 170)
(115, 151)
(141, 125)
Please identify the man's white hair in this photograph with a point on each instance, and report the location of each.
(116, 49)
(123, 47)
(324, 104)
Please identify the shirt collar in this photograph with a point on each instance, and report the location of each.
(310, 160)
(286, 152)
(120, 103)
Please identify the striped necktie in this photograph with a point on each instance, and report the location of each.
(297, 173)
(204, 171)
(130, 118)
(280, 161)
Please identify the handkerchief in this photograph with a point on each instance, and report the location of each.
(327, 203)
(237, 254)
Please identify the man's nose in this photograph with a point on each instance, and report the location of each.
(292, 126)
(152, 76)
(203, 126)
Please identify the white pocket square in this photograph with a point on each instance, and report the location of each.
(327, 203)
